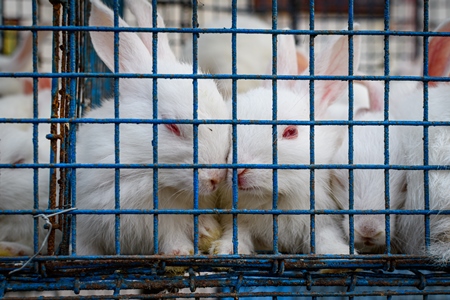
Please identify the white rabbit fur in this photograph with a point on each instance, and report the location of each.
(410, 107)
(16, 185)
(369, 184)
(95, 187)
(255, 142)
(405, 102)
(411, 227)
(215, 56)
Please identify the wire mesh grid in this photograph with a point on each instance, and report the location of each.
(57, 165)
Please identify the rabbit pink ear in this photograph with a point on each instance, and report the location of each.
(142, 10)
(133, 55)
(286, 61)
(334, 61)
(439, 54)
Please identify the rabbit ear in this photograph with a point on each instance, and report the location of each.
(133, 55)
(334, 61)
(439, 54)
(142, 10)
(286, 61)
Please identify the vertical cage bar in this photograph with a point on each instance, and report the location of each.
(195, 117)
(72, 99)
(351, 103)
(36, 131)
(386, 127)
(155, 129)
(234, 132)
(54, 135)
(274, 127)
(311, 131)
(426, 14)
(116, 126)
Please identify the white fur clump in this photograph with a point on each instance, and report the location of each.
(255, 142)
(95, 144)
(17, 185)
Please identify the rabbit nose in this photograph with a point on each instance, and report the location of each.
(214, 182)
(370, 233)
(216, 177)
(241, 181)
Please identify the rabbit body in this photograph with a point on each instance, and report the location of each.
(412, 227)
(255, 146)
(255, 232)
(16, 185)
(409, 105)
(175, 190)
(369, 184)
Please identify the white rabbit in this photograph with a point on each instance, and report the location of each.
(215, 52)
(16, 185)
(255, 142)
(95, 144)
(20, 61)
(412, 227)
(369, 184)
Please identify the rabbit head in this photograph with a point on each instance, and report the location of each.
(174, 101)
(255, 142)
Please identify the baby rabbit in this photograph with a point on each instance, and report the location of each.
(255, 143)
(175, 143)
(369, 184)
(215, 52)
(412, 227)
(16, 185)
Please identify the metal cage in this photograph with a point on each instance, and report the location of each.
(395, 34)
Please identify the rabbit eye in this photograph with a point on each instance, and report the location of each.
(291, 132)
(19, 161)
(173, 128)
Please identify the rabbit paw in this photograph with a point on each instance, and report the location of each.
(186, 250)
(176, 270)
(208, 234)
(14, 249)
(226, 247)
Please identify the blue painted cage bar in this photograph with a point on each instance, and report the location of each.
(80, 81)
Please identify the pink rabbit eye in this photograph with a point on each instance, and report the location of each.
(291, 132)
(173, 128)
